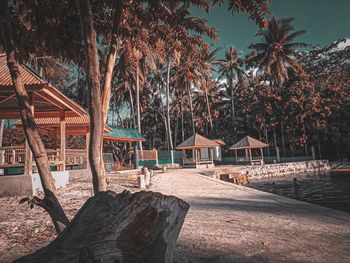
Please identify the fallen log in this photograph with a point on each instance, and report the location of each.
(126, 227)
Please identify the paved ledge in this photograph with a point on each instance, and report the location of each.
(228, 223)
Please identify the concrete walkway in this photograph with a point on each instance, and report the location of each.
(230, 223)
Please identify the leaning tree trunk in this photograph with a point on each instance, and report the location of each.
(170, 140)
(95, 98)
(111, 58)
(140, 227)
(49, 202)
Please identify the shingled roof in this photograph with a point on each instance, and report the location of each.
(47, 101)
(197, 141)
(248, 143)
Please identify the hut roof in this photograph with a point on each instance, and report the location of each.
(219, 141)
(74, 125)
(124, 135)
(248, 142)
(47, 101)
(197, 141)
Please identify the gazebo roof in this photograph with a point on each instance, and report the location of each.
(219, 141)
(197, 141)
(47, 101)
(74, 125)
(124, 135)
(248, 142)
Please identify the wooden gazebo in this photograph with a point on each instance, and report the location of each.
(47, 104)
(248, 144)
(195, 144)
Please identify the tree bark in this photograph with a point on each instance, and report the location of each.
(111, 58)
(208, 108)
(182, 122)
(191, 107)
(283, 143)
(140, 227)
(232, 100)
(95, 98)
(49, 202)
(138, 108)
(170, 140)
(2, 124)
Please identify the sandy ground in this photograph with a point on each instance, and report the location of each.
(226, 223)
(24, 230)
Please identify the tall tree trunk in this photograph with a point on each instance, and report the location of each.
(267, 139)
(170, 140)
(319, 145)
(283, 143)
(208, 108)
(2, 125)
(138, 108)
(232, 100)
(182, 121)
(176, 129)
(191, 107)
(111, 57)
(132, 108)
(49, 202)
(95, 98)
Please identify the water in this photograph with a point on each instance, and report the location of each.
(332, 190)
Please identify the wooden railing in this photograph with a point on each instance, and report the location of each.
(76, 156)
(12, 155)
(148, 155)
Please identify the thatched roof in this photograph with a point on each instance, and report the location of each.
(197, 141)
(248, 143)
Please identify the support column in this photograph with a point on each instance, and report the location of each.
(63, 139)
(236, 156)
(136, 156)
(195, 157)
(250, 156)
(87, 141)
(28, 163)
(262, 155)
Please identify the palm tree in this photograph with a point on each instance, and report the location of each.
(275, 55)
(231, 68)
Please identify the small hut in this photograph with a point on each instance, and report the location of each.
(248, 144)
(197, 151)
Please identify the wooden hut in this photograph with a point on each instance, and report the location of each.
(248, 144)
(192, 151)
(46, 102)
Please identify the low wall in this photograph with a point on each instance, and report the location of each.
(61, 180)
(15, 185)
(274, 170)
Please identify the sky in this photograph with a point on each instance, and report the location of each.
(324, 20)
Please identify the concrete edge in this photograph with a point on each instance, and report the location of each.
(285, 201)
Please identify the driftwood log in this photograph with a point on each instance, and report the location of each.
(110, 228)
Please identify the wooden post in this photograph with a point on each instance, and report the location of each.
(63, 139)
(195, 157)
(28, 163)
(2, 156)
(250, 156)
(87, 139)
(262, 155)
(236, 155)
